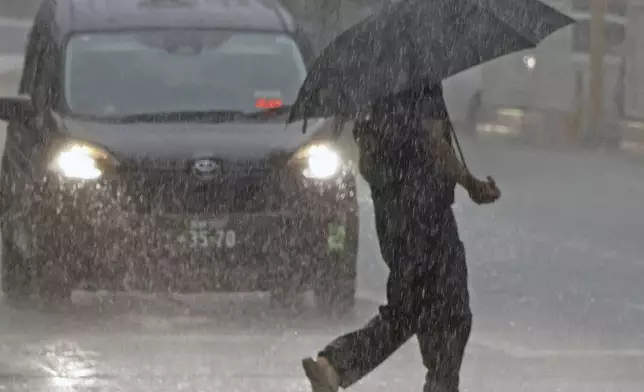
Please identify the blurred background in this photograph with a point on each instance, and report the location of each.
(583, 85)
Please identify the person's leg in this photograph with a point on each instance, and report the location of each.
(356, 354)
(445, 324)
(350, 357)
(431, 303)
(443, 349)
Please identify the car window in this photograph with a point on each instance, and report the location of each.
(160, 71)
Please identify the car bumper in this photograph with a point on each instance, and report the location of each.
(110, 244)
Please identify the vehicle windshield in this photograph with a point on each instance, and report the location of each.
(111, 75)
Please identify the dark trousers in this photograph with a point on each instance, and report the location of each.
(427, 296)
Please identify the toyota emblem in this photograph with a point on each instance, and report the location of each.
(205, 167)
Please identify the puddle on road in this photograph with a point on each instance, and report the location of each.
(57, 365)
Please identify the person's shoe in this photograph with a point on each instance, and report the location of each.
(321, 375)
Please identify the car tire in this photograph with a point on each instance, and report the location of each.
(43, 270)
(15, 275)
(38, 274)
(53, 277)
(335, 289)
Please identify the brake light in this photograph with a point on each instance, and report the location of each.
(268, 103)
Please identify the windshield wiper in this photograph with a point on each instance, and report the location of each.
(200, 115)
(184, 115)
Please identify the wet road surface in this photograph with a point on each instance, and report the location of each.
(136, 344)
(556, 274)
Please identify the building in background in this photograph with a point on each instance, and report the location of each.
(545, 91)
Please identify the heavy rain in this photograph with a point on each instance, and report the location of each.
(212, 195)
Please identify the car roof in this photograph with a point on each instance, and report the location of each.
(114, 15)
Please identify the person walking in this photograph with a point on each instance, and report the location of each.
(407, 158)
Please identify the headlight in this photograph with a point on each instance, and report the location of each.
(79, 161)
(529, 61)
(322, 161)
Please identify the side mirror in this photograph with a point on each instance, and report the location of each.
(15, 108)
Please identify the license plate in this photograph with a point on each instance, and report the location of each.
(214, 233)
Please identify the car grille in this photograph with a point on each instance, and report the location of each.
(178, 192)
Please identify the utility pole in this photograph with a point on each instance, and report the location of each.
(595, 115)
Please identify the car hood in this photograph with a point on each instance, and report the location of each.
(191, 140)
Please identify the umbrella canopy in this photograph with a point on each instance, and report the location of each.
(418, 42)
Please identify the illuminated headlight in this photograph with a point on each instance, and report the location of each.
(79, 161)
(529, 61)
(321, 162)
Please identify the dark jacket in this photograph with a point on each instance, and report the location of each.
(394, 149)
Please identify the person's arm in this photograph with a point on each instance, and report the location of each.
(445, 155)
(481, 192)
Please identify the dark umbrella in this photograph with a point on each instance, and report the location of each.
(416, 42)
